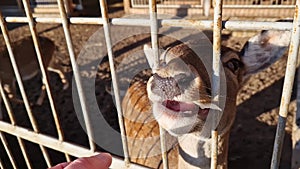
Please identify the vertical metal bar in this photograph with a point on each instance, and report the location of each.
(20, 83)
(45, 79)
(296, 127)
(132, 2)
(206, 7)
(163, 146)
(13, 122)
(154, 43)
(217, 28)
(1, 164)
(19, 4)
(106, 27)
(67, 7)
(154, 30)
(78, 82)
(6, 147)
(287, 88)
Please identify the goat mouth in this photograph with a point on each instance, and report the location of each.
(186, 108)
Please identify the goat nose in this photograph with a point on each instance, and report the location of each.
(166, 86)
(164, 81)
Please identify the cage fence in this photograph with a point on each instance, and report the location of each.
(252, 8)
(45, 142)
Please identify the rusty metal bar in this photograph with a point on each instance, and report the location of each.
(154, 43)
(20, 83)
(6, 147)
(78, 82)
(106, 27)
(57, 145)
(287, 88)
(13, 122)
(217, 28)
(45, 79)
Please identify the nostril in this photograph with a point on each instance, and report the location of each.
(157, 77)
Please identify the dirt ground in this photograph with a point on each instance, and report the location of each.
(252, 135)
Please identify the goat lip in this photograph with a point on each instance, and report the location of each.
(178, 106)
(186, 108)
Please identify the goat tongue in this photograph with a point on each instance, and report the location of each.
(179, 106)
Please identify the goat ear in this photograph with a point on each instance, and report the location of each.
(264, 49)
(150, 56)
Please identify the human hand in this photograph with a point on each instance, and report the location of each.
(100, 161)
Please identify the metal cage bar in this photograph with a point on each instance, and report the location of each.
(184, 23)
(287, 88)
(155, 46)
(227, 4)
(78, 82)
(106, 28)
(45, 79)
(168, 4)
(57, 145)
(154, 30)
(13, 122)
(6, 147)
(20, 83)
(217, 27)
(1, 164)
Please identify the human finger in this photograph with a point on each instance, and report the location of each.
(61, 165)
(100, 161)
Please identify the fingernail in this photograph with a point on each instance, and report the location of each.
(105, 158)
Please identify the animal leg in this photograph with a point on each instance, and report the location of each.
(62, 77)
(42, 96)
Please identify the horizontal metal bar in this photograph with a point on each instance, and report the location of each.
(203, 24)
(260, 6)
(224, 6)
(72, 20)
(60, 146)
(169, 6)
(256, 25)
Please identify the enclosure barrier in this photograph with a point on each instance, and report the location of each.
(273, 8)
(42, 7)
(74, 150)
(287, 88)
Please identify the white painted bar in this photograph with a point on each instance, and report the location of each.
(55, 144)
